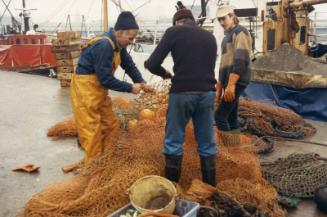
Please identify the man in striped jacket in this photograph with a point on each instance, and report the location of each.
(234, 74)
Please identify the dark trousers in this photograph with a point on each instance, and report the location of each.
(226, 113)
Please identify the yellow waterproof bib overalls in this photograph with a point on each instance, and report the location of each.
(95, 119)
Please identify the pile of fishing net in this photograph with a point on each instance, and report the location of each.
(65, 128)
(264, 119)
(297, 175)
(100, 187)
(252, 143)
(234, 198)
(124, 109)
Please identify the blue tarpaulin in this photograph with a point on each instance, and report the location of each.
(318, 51)
(310, 103)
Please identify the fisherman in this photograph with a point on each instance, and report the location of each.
(192, 93)
(234, 74)
(92, 107)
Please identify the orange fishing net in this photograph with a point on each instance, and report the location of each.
(259, 194)
(236, 194)
(63, 129)
(100, 187)
(233, 163)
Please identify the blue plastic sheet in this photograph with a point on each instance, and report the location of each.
(318, 51)
(310, 103)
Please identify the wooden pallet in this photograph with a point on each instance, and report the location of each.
(65, 82)
(65, 48)
(67, 62)
(68, 55)
(65, 69)
(71, 35)
(64, 76)
(66, 42)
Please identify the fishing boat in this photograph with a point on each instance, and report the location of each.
(24, 49)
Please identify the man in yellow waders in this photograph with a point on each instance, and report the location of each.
(92, 107)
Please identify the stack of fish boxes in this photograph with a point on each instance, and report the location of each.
(67, 49)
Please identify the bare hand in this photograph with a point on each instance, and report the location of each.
(229, 93)
(136, 88)
(167, 75)
(147, 88)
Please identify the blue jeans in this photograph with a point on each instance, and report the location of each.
(181, 108)
(226, 113)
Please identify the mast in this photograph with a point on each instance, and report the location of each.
(105, 16)
(26, 15)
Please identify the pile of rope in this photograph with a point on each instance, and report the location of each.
(259, 195)
(263, 119)
(63, 129)
(234, 198)
(297, 175)
(100, 188)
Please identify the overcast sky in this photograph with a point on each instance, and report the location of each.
(56, 11)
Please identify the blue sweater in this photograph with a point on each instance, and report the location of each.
(194, 52)
(98, 59)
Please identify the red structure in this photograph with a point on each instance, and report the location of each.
(23, 39)
(19, 52)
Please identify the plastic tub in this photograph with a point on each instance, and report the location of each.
(147, 188)
(183, 208)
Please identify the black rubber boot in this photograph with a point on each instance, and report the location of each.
(208, 169)
(173, 167)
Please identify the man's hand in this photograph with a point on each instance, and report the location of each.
(136, 88)
(147, 88)
(229, 93)
(167, 75)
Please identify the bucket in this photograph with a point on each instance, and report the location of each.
(153, 194)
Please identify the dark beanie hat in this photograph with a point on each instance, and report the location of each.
(182, 14)
(126, 20)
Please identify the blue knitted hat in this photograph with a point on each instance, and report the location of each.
(126, 20)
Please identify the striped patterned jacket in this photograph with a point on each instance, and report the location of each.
(236, 51)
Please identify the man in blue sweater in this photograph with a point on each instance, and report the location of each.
(192, 93)
(92, 107)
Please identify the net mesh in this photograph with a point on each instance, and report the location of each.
(62, 129)
(297, 175)
(263, 119)
(100, 187)
(236, 197)
(258, 194)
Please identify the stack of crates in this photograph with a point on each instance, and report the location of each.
(67, 49)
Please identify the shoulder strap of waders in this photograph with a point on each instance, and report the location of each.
(97, 38)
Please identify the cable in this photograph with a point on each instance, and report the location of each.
(193, 4)
(254, 4)
(90, 9)
(7, 8)
(54, 13)
(129, 5)
(67, 11)
(293, 140)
